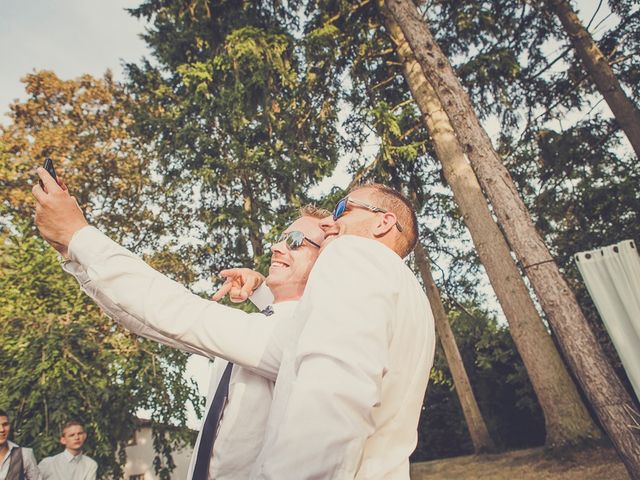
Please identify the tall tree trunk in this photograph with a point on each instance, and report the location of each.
(597, 67)
(610, 400)
(482, 441)
(567, 420)
(255, 238)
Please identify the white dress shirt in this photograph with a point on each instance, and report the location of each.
(66, 466)
(29, 464)
(357, 353)
(241, 429)
(353, 378)
(244, 419)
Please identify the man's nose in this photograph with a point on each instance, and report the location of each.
(279, 247)
(327, 222)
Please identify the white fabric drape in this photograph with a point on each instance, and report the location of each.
(612, 277)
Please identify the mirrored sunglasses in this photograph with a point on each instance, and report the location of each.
(294, 239)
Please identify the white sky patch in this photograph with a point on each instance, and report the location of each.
(70, 37)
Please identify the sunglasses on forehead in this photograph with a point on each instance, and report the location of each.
(294, 239)
(341, 208)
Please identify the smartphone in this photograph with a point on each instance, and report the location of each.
(48, 166)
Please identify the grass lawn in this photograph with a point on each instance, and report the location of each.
(530, 464)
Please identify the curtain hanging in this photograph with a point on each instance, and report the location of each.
(612, 277)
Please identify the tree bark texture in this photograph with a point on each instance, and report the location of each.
(255, 237)
(610, 400)
(482, 441)
(597, 67)
(567, 420)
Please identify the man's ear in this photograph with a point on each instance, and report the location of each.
(387, 221)
(63, 440)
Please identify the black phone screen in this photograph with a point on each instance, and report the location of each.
(48, 166)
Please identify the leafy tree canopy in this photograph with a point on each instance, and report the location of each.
(63, 359)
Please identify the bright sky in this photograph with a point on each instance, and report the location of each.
(70, 37)
(73, 37)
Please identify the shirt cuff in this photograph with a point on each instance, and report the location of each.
(262, 297)
(87, 246)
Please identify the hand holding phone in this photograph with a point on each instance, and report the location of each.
(48, 166)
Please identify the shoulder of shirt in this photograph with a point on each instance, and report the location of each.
(89, 460)
(27, 453)
(344, 242)
(354, 247)
(351, 249)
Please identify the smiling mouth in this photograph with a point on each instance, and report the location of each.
(278, 264)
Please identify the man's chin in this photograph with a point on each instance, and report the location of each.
(328, 239)
(274, 279)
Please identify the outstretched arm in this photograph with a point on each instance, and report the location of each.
(261, 297)
(148, 296)
(116, 313)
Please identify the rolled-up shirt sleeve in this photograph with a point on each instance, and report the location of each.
(340, 360)
(162, 309)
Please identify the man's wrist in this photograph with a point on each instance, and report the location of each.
(73, 239)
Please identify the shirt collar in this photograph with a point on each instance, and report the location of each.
(70, 457)
(283, 307)
(11, 446)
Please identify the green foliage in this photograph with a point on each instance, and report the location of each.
(242, 120)
(500, 383)
(85, 126)
(61, 358)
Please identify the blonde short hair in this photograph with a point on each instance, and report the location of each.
(311, 210)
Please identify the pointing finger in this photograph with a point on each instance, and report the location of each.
(222, 291)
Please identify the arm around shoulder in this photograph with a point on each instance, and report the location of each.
(344, 342)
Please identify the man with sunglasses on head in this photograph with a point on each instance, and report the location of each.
(356, 353)
(153, 306)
